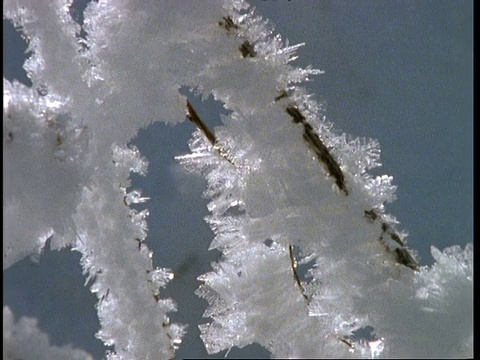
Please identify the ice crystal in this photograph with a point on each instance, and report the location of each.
(134, 197)
(130, 157)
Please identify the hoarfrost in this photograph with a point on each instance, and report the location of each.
(277, 172)
(334, 209)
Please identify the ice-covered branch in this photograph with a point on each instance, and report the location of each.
(292, 180)
(286, 188)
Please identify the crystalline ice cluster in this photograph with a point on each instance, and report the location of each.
(286, 189)
(280, 176)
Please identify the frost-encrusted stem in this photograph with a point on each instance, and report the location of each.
(279, 176)
(275, 195)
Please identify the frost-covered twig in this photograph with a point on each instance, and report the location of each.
(274, 194)
(366, 295)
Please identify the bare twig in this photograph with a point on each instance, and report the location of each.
(227, 23)
(247, 49)
(194, 118)
(318, 147)
(403, 255)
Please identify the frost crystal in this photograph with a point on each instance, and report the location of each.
(130, 157)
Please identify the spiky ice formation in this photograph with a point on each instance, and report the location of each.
(280, 176)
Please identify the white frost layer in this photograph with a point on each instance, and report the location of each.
(24, 340)
(132, 315)
(268, 186)
(266, 183)
(109, 85)
(43, 150)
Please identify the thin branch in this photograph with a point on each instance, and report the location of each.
(293, 264)
(318, 147)
(403, 255)
(194, 118)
